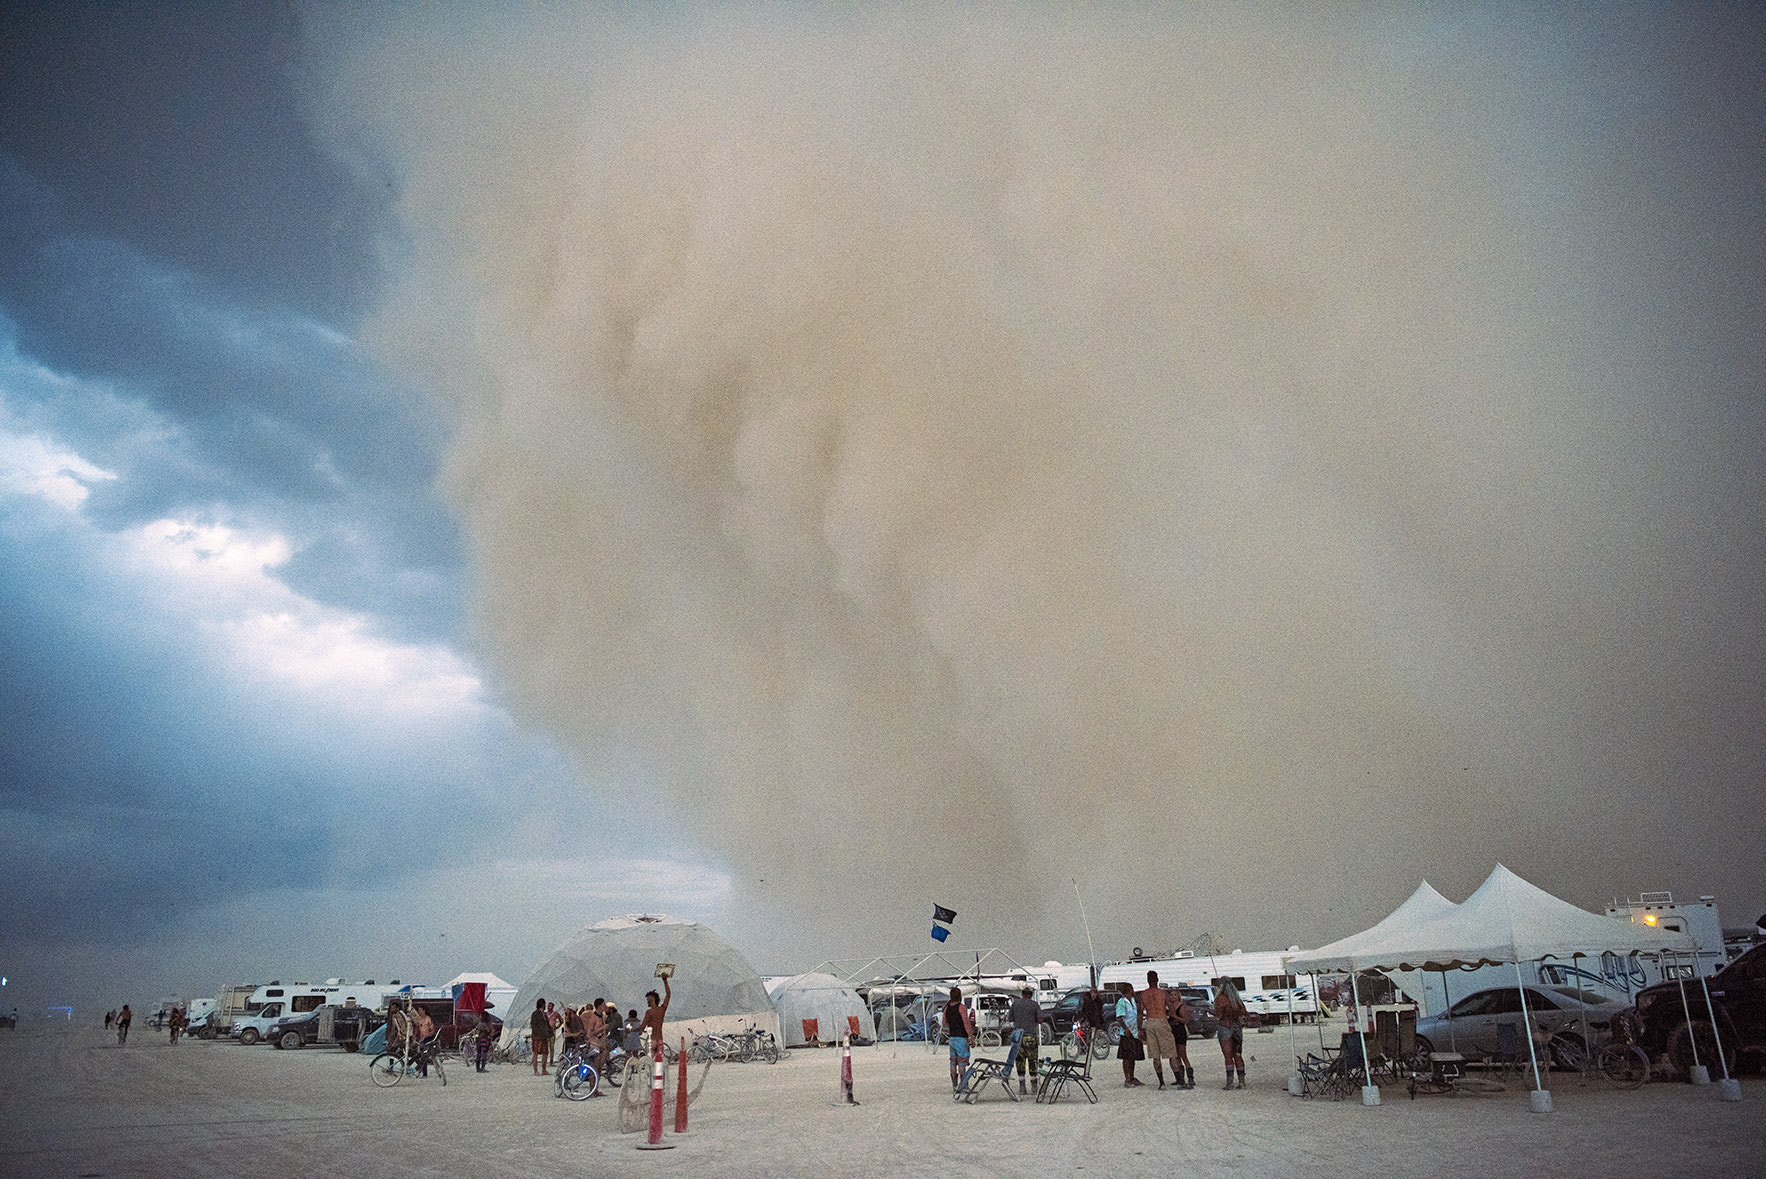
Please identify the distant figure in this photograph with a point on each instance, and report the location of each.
(657, 1012)
(634, 1040)
(598, 1034)
(1091, 1017)
(1229, 1009)
(1156, 1030)
(541, 1028)
(481, 1032)
(399, 1028)
(959, 1025)
(423, 1028)
(110, 1018)
(1128, 1048)
(1026, 1020)
(174, 1024)
(1177, 1013)
(125, 1017)
(557, 1021)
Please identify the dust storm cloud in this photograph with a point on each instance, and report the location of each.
(919, 447)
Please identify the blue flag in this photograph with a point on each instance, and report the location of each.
(940, 932)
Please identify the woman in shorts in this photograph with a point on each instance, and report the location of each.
(959, 1024)
(1128, 1048)
(1230, 1010)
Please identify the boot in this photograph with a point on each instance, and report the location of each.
(1189, 1077)
(1021, 1089)
(1229, 1079)
(1241, 1078)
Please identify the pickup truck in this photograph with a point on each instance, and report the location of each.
(346, 1027)
(1738, 997)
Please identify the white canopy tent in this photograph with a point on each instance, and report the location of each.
(1505, 920)
(823, 998)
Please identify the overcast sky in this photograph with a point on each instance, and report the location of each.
(468, 476)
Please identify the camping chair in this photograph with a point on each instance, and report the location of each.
(1058, 1074)
(982, 1070)
(1508, 1048)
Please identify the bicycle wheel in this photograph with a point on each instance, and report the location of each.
(990, 1039)
(1100, 1045)
(698, 1052)
(769, 1052)
(580, 1081)
(746, 1053)
(386, 1070)
(1625, 1066)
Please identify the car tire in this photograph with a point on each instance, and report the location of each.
(1423, 1045)
(249, 1037)
(1680, 1047)
(290, 1040)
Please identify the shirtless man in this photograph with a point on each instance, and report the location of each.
(656, 1014)
(1156, 1031)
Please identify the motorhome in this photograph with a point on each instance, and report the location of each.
(1258, 975)
(270, 1002)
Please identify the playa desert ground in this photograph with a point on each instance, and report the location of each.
(76, 1104)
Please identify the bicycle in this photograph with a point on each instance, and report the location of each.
(1620, 1062)
(576, 1077)
(389, 1068)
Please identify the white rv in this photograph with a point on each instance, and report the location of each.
(1258, 975)
(272, 1001)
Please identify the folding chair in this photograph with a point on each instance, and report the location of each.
(1508, 1048)
(982, 1070)
(1058, 1074)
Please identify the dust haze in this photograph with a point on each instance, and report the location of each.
(1253, 459)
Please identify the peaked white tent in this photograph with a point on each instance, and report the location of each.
(1354, 952)
(823, 998)
(1506, 920)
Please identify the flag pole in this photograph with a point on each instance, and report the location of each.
(1092, 949)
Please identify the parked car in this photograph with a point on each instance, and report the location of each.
(1201, 1022)
(1738, 997)
(1472, 1024)
(346, 1027)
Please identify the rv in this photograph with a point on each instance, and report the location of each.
(270, 1002)
(1259, 976)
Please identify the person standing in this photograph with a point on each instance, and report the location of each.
(1091, 1017)
(959, 1025)
(1156, 1030)
(1026, 1018)
(1229, 1009)
(110, 1018)
(656, 1014)
(541, 1029)
(125, 1017)
(1128, 1048)
(1178, 1015)
(423, 1028)
(556, 1019)
(482, 1030)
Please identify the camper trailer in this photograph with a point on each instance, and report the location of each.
(1261, 979)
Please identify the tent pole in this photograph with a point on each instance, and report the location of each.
(1582, 1006)
(1715, 1034)
(1360, 1026)
(1680, 980)
(1447, 1012)
(1527, 1026)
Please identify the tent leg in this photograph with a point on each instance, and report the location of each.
(1730, 1089)
(1541, 1096)
(1698, 1074)
(1370, 1092)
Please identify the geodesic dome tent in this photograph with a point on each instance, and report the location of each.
(715, 989)
(823, 998)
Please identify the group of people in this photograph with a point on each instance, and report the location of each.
(597, 1026)
(1155, 1024)
(120, 1020)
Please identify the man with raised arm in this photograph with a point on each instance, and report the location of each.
(656, 1014)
